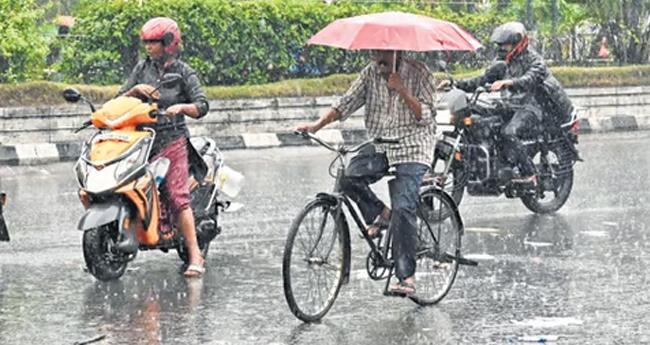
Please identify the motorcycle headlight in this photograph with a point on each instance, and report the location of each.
(131, 163)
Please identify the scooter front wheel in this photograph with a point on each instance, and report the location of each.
(102, 260)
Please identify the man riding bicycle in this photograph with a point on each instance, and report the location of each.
(398, 94)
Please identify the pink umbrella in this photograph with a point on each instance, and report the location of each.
(395, 31)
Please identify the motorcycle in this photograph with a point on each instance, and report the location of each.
(471, 157)
(4, 233)
(118, 186)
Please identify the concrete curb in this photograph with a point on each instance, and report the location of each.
(43, 153)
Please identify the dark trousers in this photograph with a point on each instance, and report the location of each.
(523, 124)
(404, 189)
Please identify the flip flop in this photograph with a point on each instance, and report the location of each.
(402, 289)
(194, 271)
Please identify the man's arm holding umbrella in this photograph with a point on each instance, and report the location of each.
(353, 99)
(422, 103)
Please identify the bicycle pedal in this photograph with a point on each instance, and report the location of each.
(394, 294)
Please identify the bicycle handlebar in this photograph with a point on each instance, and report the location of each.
(342, 149)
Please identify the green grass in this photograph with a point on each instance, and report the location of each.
(42, 93)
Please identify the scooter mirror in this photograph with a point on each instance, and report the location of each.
(71, 95)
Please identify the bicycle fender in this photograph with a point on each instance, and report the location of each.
(330, 198)
(444, 195)
(335, 201)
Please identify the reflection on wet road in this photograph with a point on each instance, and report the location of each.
(580, 275)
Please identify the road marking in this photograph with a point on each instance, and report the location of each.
(483, 230)
(538, 244)
(479, 257)
(549, 322)
(595, 233)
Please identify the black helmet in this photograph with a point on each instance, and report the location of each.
(509, 33)
(513, 33)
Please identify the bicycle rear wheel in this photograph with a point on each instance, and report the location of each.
(439, 242)
(315, 254)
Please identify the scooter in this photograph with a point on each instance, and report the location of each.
(118, 186)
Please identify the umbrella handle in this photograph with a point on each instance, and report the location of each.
(394, 61)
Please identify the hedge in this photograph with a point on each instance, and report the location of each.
(49, 93)
(231, 42)
(22, 44)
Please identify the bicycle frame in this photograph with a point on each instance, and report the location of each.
(341, 199)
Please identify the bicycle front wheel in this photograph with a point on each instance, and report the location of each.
(438, 248)
(315, 255)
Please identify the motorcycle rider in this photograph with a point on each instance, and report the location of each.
(543, 101)
(162, 38)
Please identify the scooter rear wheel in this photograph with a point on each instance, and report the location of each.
(103, 262)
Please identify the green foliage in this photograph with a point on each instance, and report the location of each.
(231, 42)
(49, 93)
(627, 25)
(22, 47)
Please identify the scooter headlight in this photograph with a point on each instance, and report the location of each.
(131, 163)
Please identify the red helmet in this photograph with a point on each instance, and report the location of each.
(162, 29)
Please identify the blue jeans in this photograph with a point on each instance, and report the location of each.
(404, 190)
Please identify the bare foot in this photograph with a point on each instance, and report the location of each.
(381, 222)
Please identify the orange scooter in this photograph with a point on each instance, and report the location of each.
(119, 186)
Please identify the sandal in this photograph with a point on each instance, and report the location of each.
(194, 271)
(402, 289)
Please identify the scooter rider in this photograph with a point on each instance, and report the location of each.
(543, 98)
(162, 38)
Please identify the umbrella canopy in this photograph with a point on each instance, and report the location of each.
(395, 31)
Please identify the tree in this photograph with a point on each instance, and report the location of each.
(626, 23)
(22, 48)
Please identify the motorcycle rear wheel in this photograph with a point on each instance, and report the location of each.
(103, 262)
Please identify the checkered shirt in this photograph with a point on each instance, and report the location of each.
(388, 115)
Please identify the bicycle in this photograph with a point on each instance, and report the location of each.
(318, 245)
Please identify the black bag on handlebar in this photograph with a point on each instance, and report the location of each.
(368, 164)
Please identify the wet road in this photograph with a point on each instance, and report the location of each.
(581, 274)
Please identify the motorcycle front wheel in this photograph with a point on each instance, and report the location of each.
(555, 181)
(102, 260)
